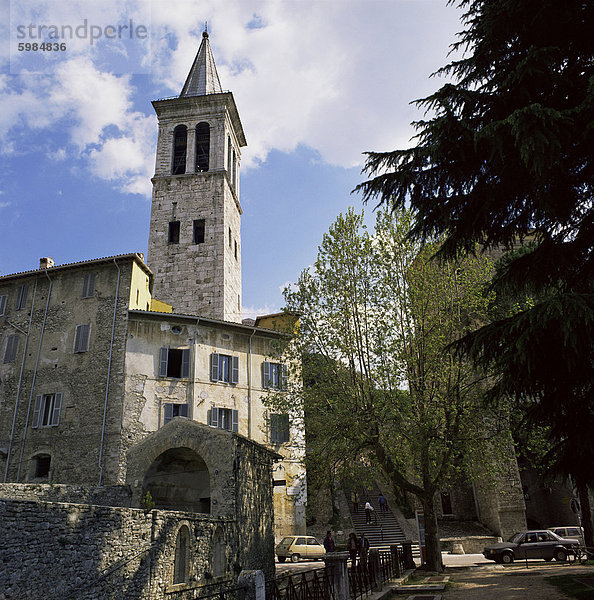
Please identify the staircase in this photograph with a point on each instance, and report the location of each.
(384, 530)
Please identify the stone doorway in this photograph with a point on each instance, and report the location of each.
(178, 479)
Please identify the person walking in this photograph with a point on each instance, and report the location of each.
(329, 544)
(368, 511)
(353, 547)
(382, 502)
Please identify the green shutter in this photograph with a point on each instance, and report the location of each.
(55, 418)
(168, 413)
(36, 411)
(214, 367)
(163, 362)
(185, 367)
(265, 374)
(235, 369)
(235, 421)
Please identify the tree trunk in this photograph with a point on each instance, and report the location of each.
(584, 497)
(432, 545)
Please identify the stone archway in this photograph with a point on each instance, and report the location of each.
(178, 479)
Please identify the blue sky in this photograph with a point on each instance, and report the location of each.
(316, 82)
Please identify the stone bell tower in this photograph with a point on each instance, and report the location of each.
(194, 240)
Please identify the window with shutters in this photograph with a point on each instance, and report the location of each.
(88, 288)
(47, 410)
(21, 300)
(274, 375)
(199, 227)
(224, 418)
(3, 302)
(224, 368)
(12, 346)
(81, 338)
(180, 143)
(279, 429)
(174, 362)
(202, 147)
(174, 410)
(173, 235)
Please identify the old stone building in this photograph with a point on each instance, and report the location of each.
(104, 361)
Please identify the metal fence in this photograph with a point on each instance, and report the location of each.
(363, 578)
(308, 585)
(213, 591)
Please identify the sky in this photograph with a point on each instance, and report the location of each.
(316, 82)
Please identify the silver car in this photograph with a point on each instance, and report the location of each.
(531, 544)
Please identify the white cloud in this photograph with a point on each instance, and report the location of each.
(4, 204)
(251, 312)
(336, 75)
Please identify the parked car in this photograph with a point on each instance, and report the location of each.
(302, 546)
(531, 544)
(570, 531)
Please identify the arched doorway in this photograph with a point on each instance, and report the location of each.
(178, 479)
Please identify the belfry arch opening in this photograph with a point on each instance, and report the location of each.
(178, 479)
(180, 146)
(202, 147)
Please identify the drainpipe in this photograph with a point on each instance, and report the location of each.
(249, 388)
(115, 311)
(49, 294)
(20, 386)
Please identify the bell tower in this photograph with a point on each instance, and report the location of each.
(194, 240)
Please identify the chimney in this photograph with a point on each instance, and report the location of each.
(46, 262)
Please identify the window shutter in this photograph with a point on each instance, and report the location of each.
(55, 419)
(235, 421)
(22, 296)
(185, 367)
(183, 410)
(36, 411)
(284, 377)
(88, 285)
(12, 345)
(3, 304)
(163, 362)
(81, 338)
(168, 413)
(214, 367)
(235, 370)
(265, 374)
(214, 416)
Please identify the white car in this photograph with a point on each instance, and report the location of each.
(296, 547)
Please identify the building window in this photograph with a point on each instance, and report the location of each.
(47, 410)
(202, 147)
(12, 346)
(81, 338)
(3, 302)
(274, 375)
(224, 368)
(235, 249)
(234, 173)
(180, 142)
(229, 155)
(230, 237)
(21, 300)
(181, 565)
(41, 466)
(199, 227)
(174, 362)
(224, 418)
(88, 289)
(174, 410)
(279, 429)
(173, 237)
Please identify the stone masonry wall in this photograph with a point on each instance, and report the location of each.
(61, 551)
(116, 495)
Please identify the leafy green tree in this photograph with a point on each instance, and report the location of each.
(505, 157)
(376, 317)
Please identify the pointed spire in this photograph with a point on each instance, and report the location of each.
(203, 77)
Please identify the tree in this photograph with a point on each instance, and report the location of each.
(376, 316)
(505, 158)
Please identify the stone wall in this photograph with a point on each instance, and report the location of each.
(58, 551)
(117, 495)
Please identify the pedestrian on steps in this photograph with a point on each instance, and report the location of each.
(355, 500)
(382, 502)
(352, 547)
(368, 511)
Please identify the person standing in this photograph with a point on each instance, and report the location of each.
(382, 502)
(353, 547)
(355, 500)
(329, 544)
(368, 511)
(363, 550)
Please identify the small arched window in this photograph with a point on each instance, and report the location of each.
(180, 144)
(202, 147)
(234, 172)
(219, 553)
(229, 155)
(181, 566)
